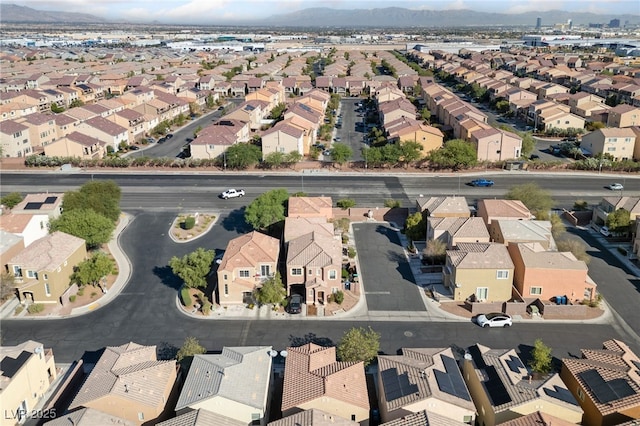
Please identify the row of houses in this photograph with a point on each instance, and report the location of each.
(502, 254)
(129, 385)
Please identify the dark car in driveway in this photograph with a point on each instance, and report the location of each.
(481, 182)
(295, 304)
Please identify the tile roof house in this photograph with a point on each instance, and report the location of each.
(502, 388)
(454, 230)
(496, 145)
(283, 137)
(407, 129)
(234, 384)
(295, 227)
(314, 265)
(499, 209)
(43, 203)
(623, 115)
(88, 417)
(313, 379)
(128, 381)
(15, 139)
(606, 383)
(423, 418)
(537, 418)
(248, 260)
(26, 372)
(42, 270)
(423, 379)
(78, 145)
(310, 207)
(313, 417)
(105, 130)
(610, 204)
(30, 227)
(542, 274)
(480, 272)
(617, 142)
(442, 206)
(201, 417)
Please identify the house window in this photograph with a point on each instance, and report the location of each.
(65, 263)
(17, 271)
(467, 419)
(535, 291)
(226, 289)
(244, 273)
(482, 293)
(502, 274)
(255, 418)
(45, 276)
(47, 289)
(319, 272)
(333, 274)
(224, 276)
(296, 272)
(140, 415)
(265, 270)
(32, 274)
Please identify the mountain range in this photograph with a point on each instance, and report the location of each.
(390, 17)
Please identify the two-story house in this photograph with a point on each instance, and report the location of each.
(248, 260)
(42, 270)
(49, 203)
(283, 138)
(29, 227)
(610, 204)
(14, 138)
(454, 230)
(619, 143)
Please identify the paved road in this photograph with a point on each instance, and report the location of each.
(384, 268)
(348, 134)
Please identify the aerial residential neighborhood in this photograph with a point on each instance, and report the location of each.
(271, 215)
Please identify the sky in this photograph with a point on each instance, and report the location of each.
(183, 11)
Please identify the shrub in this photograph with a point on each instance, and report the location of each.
(19, 310)
(35, 308)
(80, 292)
(206, 306)
(72, 298)
(345, 203)
(338, 297)
(345, 274)
(185, 297)
(392, 203)
(189, 222)
(581, 205)
(345, 238)
(352, 252)
(93, 294)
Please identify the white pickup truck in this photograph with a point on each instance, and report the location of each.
(232, 193)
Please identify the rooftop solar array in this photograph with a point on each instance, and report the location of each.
(562, 394)
(605, 390)
(495, 388)
(397, 385)
(50, 200)
(33, 206)
(514, 363)
(451, 382)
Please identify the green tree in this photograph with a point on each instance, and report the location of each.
(455, 154)
(425, 115)
(619, 221)
(557, 226)
(190, 347)
(242, 155)
(536, 199)
(341, 153)
(7, 286)
(11, 200)
(271, 292)
(410, 151)
(267, 209)
(101, 196)
(278, 111)
(92, 270)
(346, 203)
(359, 344)
(56, 109)
(194, 267)
(416, 227)
(540, 358)
(372, 156)
(293, 157)
(274, 159)
(528, 144)
(76, 103)
(92, 227)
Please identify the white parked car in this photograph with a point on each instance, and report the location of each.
(616, 187)
(494, 319)
(232, 193)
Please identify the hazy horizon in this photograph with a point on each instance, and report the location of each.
(197, 11)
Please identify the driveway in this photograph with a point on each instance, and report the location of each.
(385, 271)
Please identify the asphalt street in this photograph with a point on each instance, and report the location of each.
(145, 311)
(384, 268)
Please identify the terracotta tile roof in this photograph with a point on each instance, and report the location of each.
(16, 223)
(614, 362)
(250, 250)
(312, 372)
(444, 205)
(88, 417)
(84, 140)
(239, 374)
(423, 418)
(480, 256)
(314, 249)
(461, 227)
(106, 126)
(313, 417)
(309, 205)
(535, 256)
(130, 372)
(48, 201)
(415, 367)
(9, 127)
(505, 209)
(286, 128)
(48, 253)
(201, 417)
(297, 226)
(537, 419)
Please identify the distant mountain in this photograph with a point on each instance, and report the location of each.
(15, 13)
(397, 17)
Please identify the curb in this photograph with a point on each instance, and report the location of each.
(216, 216)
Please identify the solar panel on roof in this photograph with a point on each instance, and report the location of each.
(605, 390)
(455, 385)
(495, 388)
(562, 394)
(397, 385)
(32, 206)
(514, 363)
(50, 200)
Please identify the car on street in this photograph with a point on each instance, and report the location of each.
(494, 319)
(326, 152)
(232, 193)
(616, 187)
(337, 139)
(218, 258)
(295, 304)
(481, 182)
(534, 157)
(134, 147)
(169, 136)
(320, 146)
(151, 140)
(162, 140)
